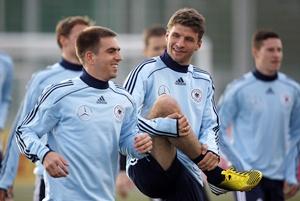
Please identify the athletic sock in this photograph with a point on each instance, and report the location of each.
(213, 176)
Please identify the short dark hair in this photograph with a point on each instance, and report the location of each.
(89, 40)
(65, 26)
(153, 31)
(260, 36)
(188, 17)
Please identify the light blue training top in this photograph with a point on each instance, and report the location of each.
(264, 114)
(6, 81)
(191, 87)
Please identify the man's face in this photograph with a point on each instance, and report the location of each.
(107, 59)
(156, 46)
(268, 58)
(69, 42)
(182, 42)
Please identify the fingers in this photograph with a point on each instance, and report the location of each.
(143, 143)
(56, 165)
(174, 116)
(2, 194)
(123, 185)
(209, 162)
(183, 126)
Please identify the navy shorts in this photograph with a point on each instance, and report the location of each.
(266, 190)
(174, 184)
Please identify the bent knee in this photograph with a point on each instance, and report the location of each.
(166, 105)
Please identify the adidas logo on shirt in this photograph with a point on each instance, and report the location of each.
(101, 100)
(180, 81)
(270, 91)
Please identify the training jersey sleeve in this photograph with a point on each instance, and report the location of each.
(291, 164)
(210, 123)
(159, 126)
(30, 131)
(128, 132)
(294, 141)
(11, 158)
(228, 111)
(6, 88)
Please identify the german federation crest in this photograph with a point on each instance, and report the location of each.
(196, 95)
(119, 112)
(84, 112)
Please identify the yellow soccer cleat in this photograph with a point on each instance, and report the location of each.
(240, 181)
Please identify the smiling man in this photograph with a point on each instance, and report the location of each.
(169, 83)
(88, 119)
(263, 110)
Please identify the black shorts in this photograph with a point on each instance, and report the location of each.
(174, 184)
(266, 190)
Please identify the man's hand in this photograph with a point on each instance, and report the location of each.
(290, 190)
(55, 165)
(2, 194)
(123, 185)
(183, 124)
(210, 160)
(6, 195)
(143, 143)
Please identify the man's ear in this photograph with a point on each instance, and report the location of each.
(89, 57)
(62, 40)
(198, 45)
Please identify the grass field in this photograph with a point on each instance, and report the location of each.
(23, 192)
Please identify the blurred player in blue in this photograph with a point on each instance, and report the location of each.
(6, 80)
(87, 119)
(263, 110)
(169, 83)
(67, 31)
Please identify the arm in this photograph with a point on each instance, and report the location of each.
(6, 91)
(210, 123)
(131, 141)
(294, 141)
(12, 154)
(228, 110)
(30, 131)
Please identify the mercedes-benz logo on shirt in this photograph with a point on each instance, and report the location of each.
(84, 113)
(163, 90)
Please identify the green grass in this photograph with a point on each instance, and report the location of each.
(23, 192)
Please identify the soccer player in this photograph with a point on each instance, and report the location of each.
(154, 41)
(263, 110)
(87, 119)
(67, 31)
(154, 45)
(167, 84)
(6, 80)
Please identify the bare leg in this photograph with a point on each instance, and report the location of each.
(164, 148)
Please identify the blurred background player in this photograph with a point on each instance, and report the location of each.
(263, 109)
(6, 81)
(67, 31)
(154, 41)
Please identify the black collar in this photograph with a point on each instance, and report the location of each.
(70, 66)
(93, 82)
(263, 77)
(166, 58)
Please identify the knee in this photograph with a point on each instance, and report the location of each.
(166, 105)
